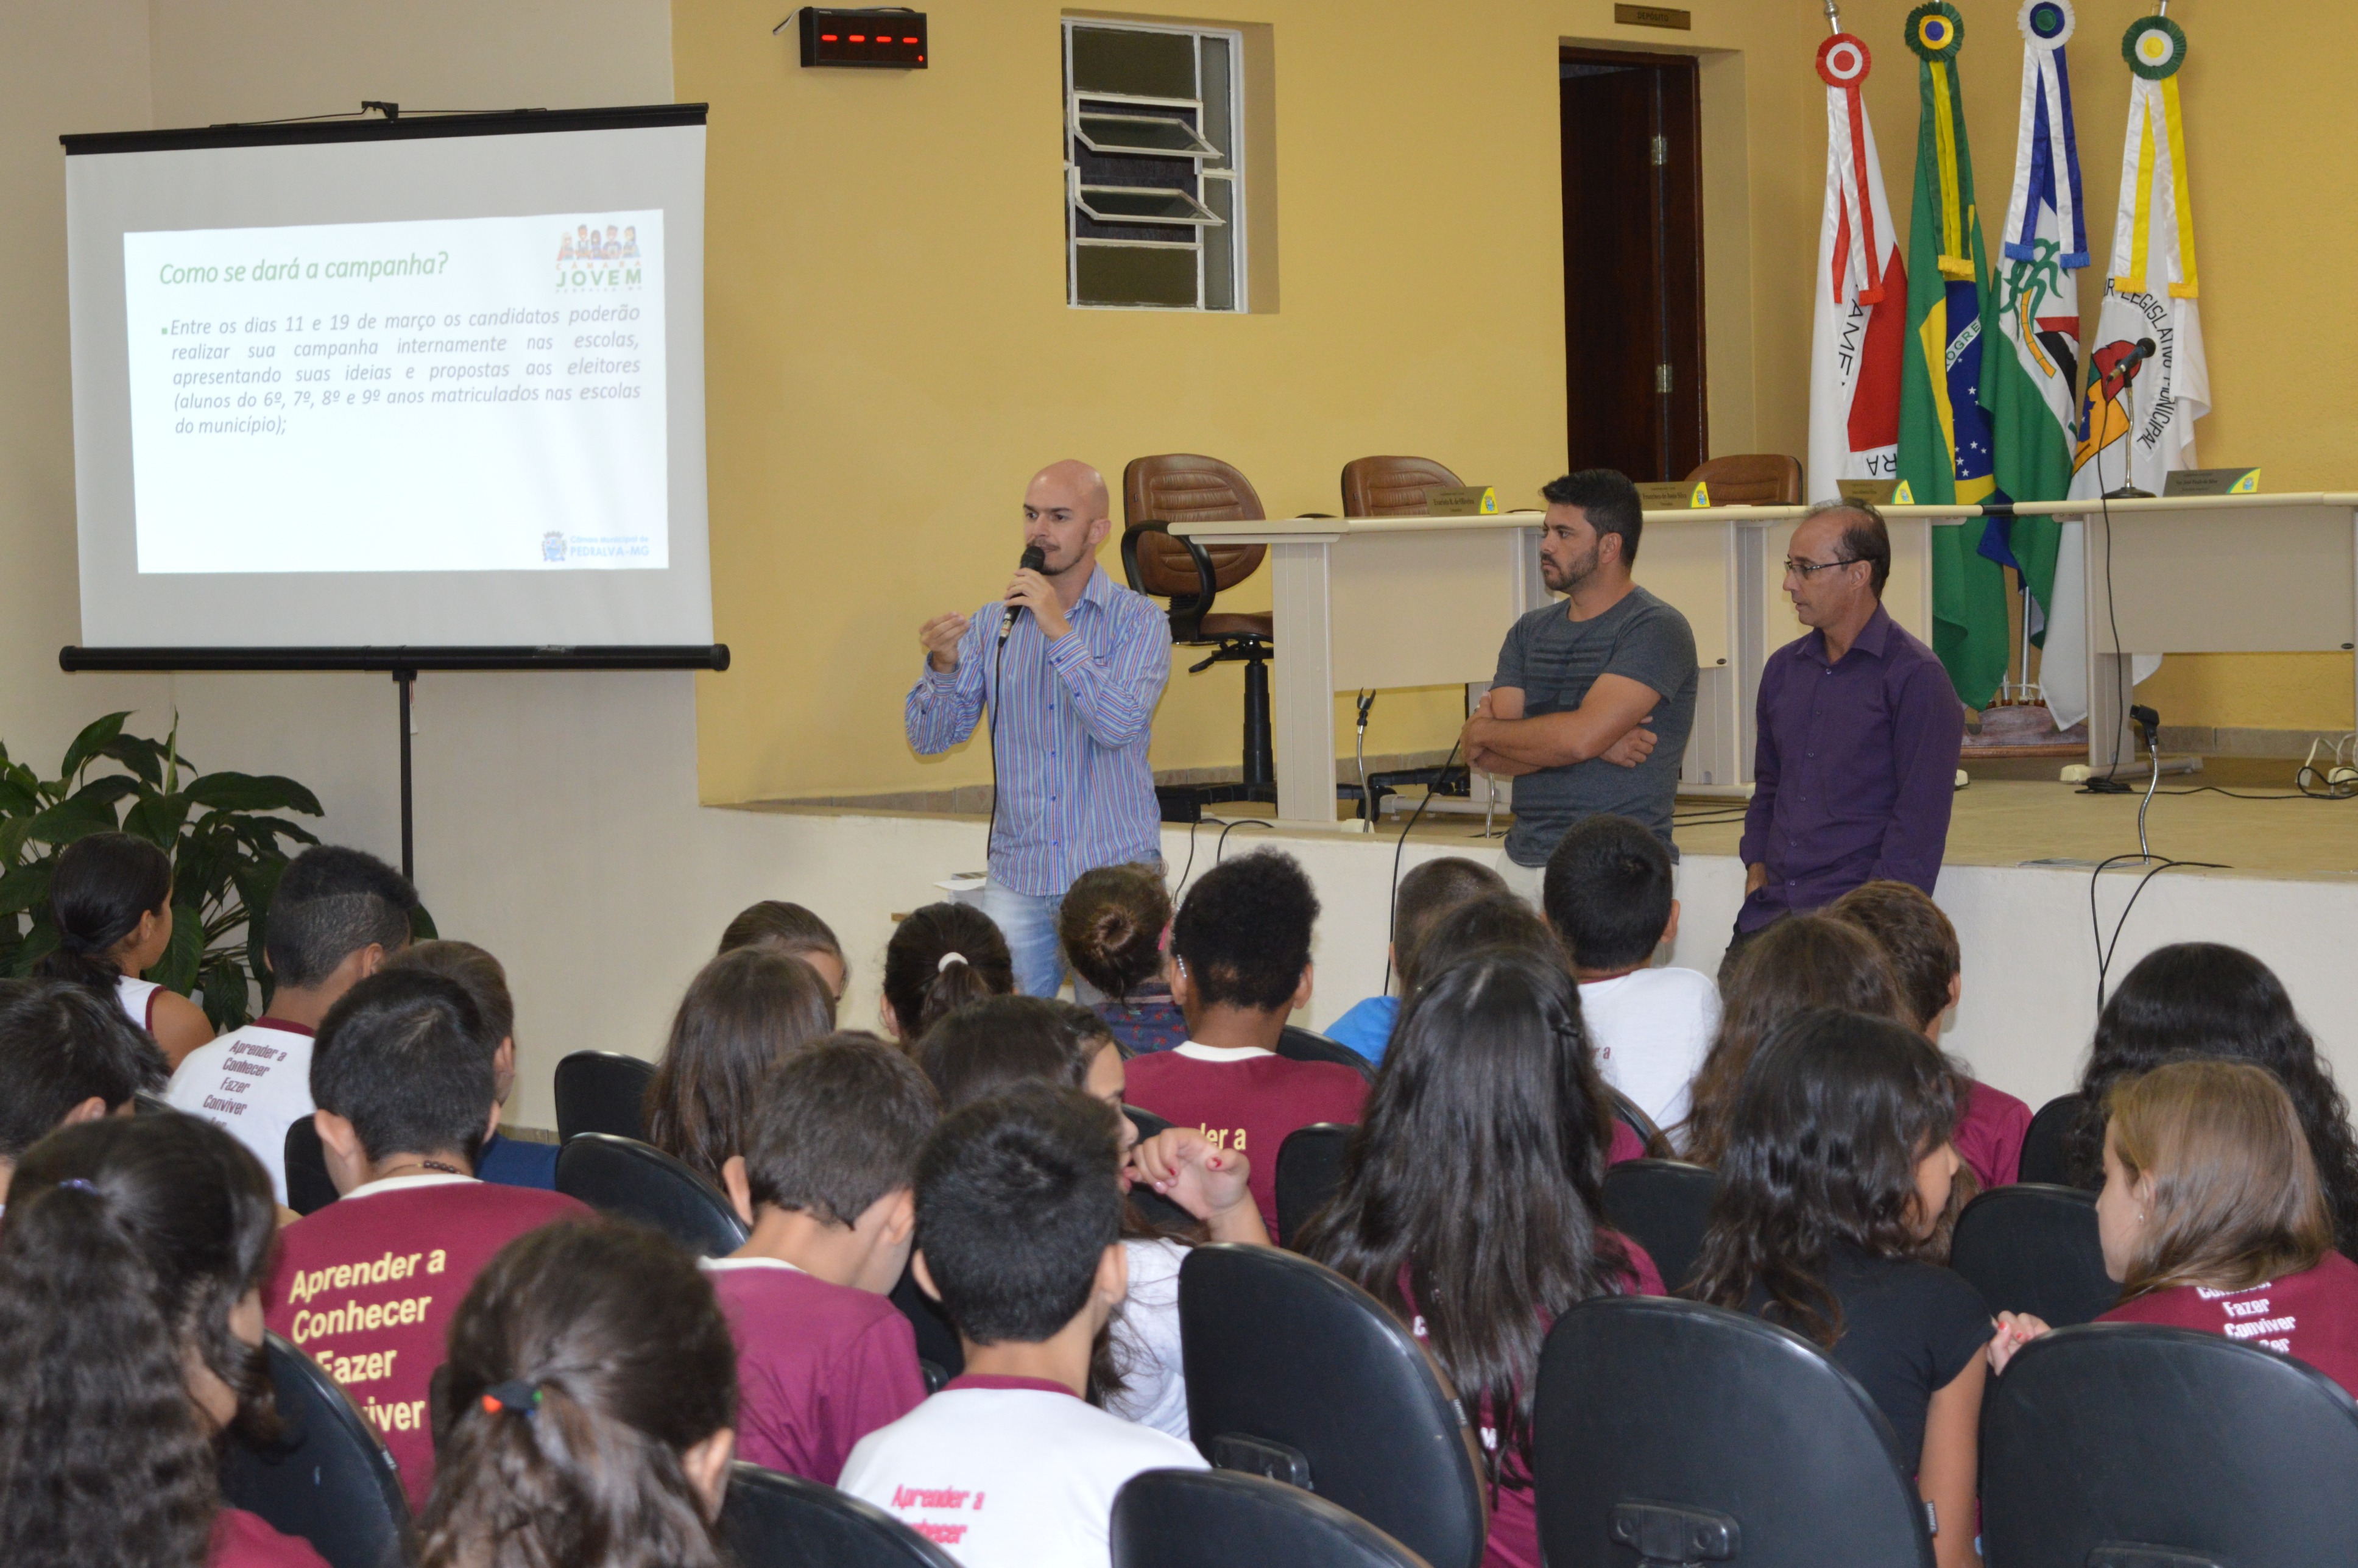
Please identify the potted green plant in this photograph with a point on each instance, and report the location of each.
(227, 842)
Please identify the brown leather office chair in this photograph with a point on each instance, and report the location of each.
(1180, 487)
(1393, 487)
(1751, 479)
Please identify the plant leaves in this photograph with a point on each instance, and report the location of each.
(108, 788)
(421, 925)
(16, 799)
(39, 944)
(93, 740)
(224, 982)
(177, 969)
(141, 755)
(252, 792)
(25, 887)
(158, 818)
(70, 819)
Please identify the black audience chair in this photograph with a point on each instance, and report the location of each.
(1628, 1112)
(1152, 1206)
(2043, 1157)
(602, 1091)
(1295, 1374)
(2033, 1248)
(310, 1189)
(772, 1520)
(1668, 1432)
(1217, 1519)
(144, 1104)
(1307, 1046)
(2203, 1452)
(1309, 1173)
(326, 1477)
(1663, 1206)
(638, 1181)
(940, 1355)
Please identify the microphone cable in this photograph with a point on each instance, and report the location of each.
(1391, 903)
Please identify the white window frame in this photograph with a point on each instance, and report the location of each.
(1233, 174)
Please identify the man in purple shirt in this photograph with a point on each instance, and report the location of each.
(1859, 732)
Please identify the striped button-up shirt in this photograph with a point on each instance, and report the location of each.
(1075, 790)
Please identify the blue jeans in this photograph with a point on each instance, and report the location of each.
(1028, 921)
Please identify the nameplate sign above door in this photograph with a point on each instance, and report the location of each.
(1653, 16)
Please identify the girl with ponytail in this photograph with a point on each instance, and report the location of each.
(941, 957)
(594, 1390)
(131, 1264)
(111, 901)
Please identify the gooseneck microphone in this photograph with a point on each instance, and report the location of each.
(1033, 560)
(2144, 351)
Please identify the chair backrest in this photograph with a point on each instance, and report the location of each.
(1631, 1115)
(1180, 487)
(1669, 1430)
(1309, 1173)
(1393, 487)
(1152, 1206)
(1308, 1045)
(638, 1181)
(1751, 479)
(2201, 1450)
(327, 1478)
(602, 1091)
(310, 1189)
(1663, 1206)
(1296, 1374)
(2044, 1156)
(1218, 1519)
(772, 1520)
(2033, 1248)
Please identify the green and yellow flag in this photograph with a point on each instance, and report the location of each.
(1945, 449)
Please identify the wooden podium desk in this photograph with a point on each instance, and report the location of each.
(1403, 601)
(2217, 574)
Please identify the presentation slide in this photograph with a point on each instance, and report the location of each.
(433, 382)
(467, 394)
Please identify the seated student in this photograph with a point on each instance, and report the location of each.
(1805, 961)
(130, 1338)
(1502, 921)
(336, 917)
(1429, 892)
(1112, 926)
(826, 1181)
(791, 929)
(1018, 1233)
(1460, 1184)
(2204, 998)
(111, 901)
(2212, 1219)
(942, 955)
(404, 1091)
(1608, 894)
(503, 1161)
(66, 1057)
(742, 1014)
(990, 1047)
(1241, 965)
(1832, 1184)
(593, 1394)
(1922, 946)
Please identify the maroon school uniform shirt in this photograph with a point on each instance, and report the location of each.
(241, 1539)
(819, 1366)
(2312, 1316)
(366, 1287)
(1514, 1540)
(1244, 1099)
(1990, 1130)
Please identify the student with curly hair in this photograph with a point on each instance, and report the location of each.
(2204, 998)
(1241, 965)
(131, 1268)
(942, 957)
(1113, 925)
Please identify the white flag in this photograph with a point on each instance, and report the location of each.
(1861, 293)
(2147, 381)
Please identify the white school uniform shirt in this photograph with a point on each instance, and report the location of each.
(256, 1083)
(1009, 1472)
(1146, 1340)
(138, 998)
(1651, 1029)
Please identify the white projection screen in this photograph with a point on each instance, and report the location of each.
(422, 384)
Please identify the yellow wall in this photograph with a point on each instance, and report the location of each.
(890, 355)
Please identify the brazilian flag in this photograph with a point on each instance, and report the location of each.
(1946, 453)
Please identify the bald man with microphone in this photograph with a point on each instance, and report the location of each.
(1069, 666)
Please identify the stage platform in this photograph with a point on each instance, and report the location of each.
(2018, 882)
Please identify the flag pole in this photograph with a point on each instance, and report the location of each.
(1833, 15)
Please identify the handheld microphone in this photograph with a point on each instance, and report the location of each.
(1033, 560)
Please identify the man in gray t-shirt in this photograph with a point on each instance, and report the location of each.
(1594, 698)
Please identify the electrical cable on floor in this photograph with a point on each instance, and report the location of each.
(1391, 903)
